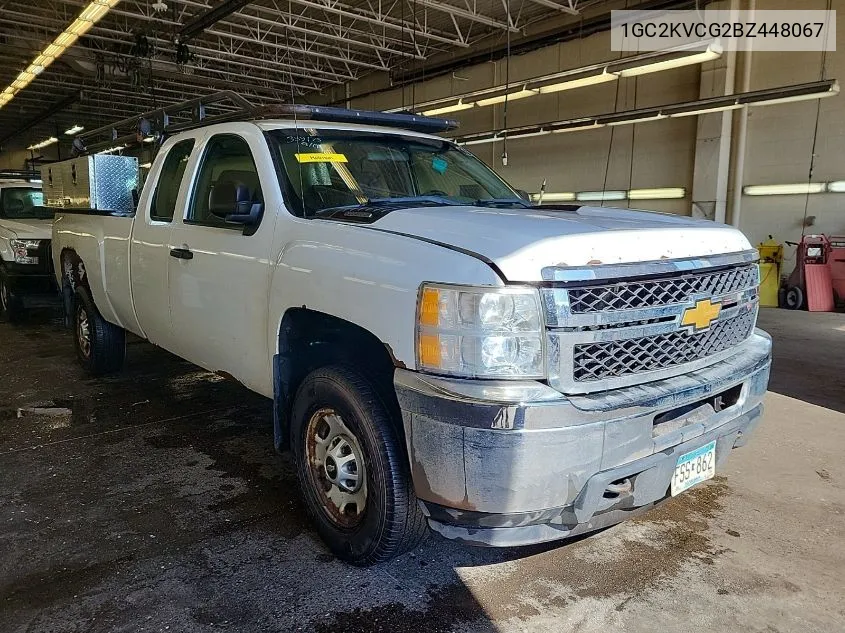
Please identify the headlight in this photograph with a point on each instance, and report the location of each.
(22, 249)
(480, 332)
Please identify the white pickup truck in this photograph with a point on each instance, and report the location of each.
(26, 270)
(440, 352)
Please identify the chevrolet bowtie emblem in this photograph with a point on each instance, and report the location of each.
(702, 315)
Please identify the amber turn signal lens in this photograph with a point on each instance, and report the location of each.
(430, 307)
(429, 352)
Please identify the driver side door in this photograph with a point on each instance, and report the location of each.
(219, 272)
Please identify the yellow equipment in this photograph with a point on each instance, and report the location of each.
(771, 256)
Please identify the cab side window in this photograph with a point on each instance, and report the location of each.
(167, 189)
(227, 178)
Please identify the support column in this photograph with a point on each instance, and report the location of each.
(713, 140)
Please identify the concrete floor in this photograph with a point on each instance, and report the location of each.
(159, 505)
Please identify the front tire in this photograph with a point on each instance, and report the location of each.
(100, 345)
(11, 306)
(352, 467)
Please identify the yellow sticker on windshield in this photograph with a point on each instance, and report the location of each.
(321, 157)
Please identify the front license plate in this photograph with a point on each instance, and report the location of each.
(694, 467)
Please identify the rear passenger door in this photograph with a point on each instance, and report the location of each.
(151, 238)
(219, 273)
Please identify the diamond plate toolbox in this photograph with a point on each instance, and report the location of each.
(101, 182)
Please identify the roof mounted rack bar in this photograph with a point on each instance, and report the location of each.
(154, 125)
(403, 120)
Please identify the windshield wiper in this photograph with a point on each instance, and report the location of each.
(503, 203)
(437, 201)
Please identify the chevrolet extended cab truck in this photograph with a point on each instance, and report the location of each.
(441, 354)
(26, 270)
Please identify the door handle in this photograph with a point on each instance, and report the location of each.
(181, 253)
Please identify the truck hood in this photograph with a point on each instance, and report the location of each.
(30, 229)
(521, 242)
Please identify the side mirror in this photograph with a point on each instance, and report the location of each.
(524, 195)
(246, 213)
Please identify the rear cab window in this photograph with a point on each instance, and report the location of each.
(169, 180)
(22, 203)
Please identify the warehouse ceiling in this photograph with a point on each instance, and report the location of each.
(147, 53)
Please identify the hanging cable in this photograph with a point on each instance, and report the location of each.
(507, 86)
(402, 80)
(414, 65)
(613, 130)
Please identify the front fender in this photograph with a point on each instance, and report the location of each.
(366, 277)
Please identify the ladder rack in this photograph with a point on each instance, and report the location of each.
(154, 126)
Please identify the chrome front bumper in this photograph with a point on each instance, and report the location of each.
(507, 463)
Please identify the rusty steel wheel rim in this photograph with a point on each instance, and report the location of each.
(336, 467)
(83, 331)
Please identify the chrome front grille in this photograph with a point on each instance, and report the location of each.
(620, 325)
(660, 292)
(612, 359)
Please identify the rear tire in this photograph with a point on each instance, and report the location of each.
(100, 345)
(11, 306)
(353, 468)
(794, 298)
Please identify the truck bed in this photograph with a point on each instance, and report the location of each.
(99, 237)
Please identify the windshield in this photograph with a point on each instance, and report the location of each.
(330, 169)
(23, 203)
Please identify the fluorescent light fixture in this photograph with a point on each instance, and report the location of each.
(583, 76)
(644, 119)
(66, 39)
(578, 128)
(510, 96)
(76, 129)
(706, 111)
(540, 132)
(799, 188)
(592, 80)
(93, 12)
(707, 55)
(807, 97)
(54, 50)
(79, 26)
(44, 143)
(565, 196)
(769, 96)
(42, 60)
(457, 107)
(89, 15)
(837, 186)
(662, 193)
(145, 165)
(598, 196)
(482, 141)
